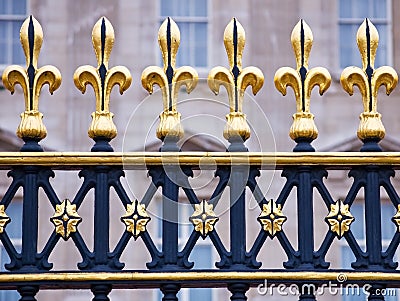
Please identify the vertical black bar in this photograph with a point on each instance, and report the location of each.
(305, 224)
(369, 70)
(306, 293)
(303, 69)
(170, 214)
(305, 217)
(235, 69)
(237, 185)
(169, 291)
(101, 292)
(373, 233)
(31, 69)
(170, 192)
(102, 68)
(238, 291)
(30, 218)
(375, 293)
(101, 216)
(237, 212)
(170, 70)
(28, 292)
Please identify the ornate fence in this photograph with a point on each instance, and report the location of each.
(238, 269)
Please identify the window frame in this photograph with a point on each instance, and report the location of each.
(13, 17)
(388, 21)
(12, 295)
(202, 70)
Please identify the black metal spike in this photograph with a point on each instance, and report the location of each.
(102, 68)
(31, 68)
(369, 70)
(170, 71)
(303, 69)
(235, 69)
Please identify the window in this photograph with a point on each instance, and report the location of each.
(358, 229)
(14, 231)
(191, 17)
(351, 14)
(12, 15)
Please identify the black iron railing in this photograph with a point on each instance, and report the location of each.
(169, 269)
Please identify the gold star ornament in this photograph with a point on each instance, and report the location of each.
(66, 219)
(203, 218)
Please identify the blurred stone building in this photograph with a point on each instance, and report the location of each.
(67, 27)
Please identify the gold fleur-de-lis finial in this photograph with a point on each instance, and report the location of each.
(169, 79)
(302, 81)
(102, 79)
(368, 80)
(235, 80)
(31, 128)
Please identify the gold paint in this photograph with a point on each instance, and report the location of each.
(339, 218)
(271, 218)
(371, 126)
(141, 160)
(395, 218)
(203, 218)
(102, 125)
(170, 124)
(135, 218)
(31, 125)
(236, 125)
(66, 219)
(4, 218)
(85, 277)
(303, 126)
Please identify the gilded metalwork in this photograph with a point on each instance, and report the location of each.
(396, 218)
(368, 80)
(135, 218)
(169, 79)
(55, 278)
(31, 80)
(271, 218)
(302, 82)
(203, 218)
(102, 80)
(339, 218)
(4, 218)
(235, 80)
(141, 160)
(66, 219)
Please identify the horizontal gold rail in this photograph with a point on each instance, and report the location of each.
(203, 276)
(138, 160)
(134, 160)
